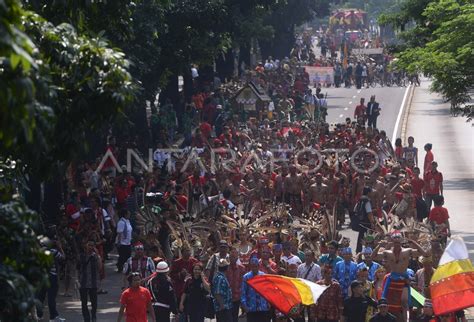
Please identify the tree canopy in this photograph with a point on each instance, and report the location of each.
(440, 45)
(55, 85)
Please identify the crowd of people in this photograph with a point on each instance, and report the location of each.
(246, 196)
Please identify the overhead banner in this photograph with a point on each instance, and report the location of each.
(321, 75)
(367, 51)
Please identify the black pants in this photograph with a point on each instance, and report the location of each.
(162, 314)
(358, 81)
(52, 292)
(224, 315)
(263, 316)
(124, 251)
(327, 320)
(372, 121)
(235, 311)
(360, 237)
(90, 293)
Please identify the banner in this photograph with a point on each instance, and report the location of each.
(321, 75)
(367, 51)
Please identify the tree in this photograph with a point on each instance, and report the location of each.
(445, 53)
(55, 84)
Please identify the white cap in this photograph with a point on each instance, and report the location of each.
(162, 267)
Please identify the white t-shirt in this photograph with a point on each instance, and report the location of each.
(292, 259)
(310, 272)
(124, 232)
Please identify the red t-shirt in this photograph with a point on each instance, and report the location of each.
(429, 157)
(182, 202)
(121, 194)
(136, 302)
(433, 181)
(439, 215)
(418, 185)
(206, 129)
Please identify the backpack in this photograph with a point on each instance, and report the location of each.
(360, 215)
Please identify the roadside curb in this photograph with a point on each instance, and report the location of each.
(406, 113)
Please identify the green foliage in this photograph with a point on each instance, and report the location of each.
(23, 264)
(448, 54)
(55, 84)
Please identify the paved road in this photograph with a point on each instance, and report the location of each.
(429, 121)
(342, 103)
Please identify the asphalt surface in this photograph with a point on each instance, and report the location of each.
(342, 103)
(429, 121)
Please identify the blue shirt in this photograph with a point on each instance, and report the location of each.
(331, 260)
(345, 273)
(221, 286)
(374, 267)
(252, 301)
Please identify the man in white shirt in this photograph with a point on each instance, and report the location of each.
(309, 270)
(288, 258)
(124, 238)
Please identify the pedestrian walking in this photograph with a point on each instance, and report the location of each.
(135, 302)
(89, 268)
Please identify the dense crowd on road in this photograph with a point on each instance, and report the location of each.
(241, 195)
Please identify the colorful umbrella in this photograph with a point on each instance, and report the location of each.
(286, 294)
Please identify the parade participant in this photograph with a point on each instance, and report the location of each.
(280, 184)
(433, 184)
(359, 112)
(277, 253)
(373, 112)
(255, 306)
(318, 191)
(135, 301)
(367, 262)
(355, 307)
(293, 187)
(365, 216)
(377, 195)
(385, 150)
(378, 282)
(410, 153)
(423, 276)
(162, 293)
(266, 264)
(345, 271)
(245, 248)
(51, 291)
(382, 314)
(309, 270)
(417, 183)
(139, 263)
(396, 286)
(213, 263)
(398, 150)
(439, 217)
(222, 293)
(194, 299)
(234, 275)
(181, 269)
(331, 258)
(89, 267)
(124, 238)
(329, 307)
(288, 258)
(429, 158)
